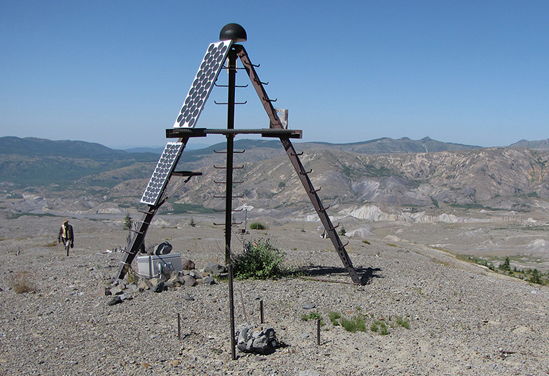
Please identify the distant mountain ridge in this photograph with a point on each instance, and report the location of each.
(34, 161)
(39, 147)
(541, 144)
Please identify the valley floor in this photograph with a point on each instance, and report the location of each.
(463, 318)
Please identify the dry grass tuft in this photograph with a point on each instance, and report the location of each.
(21, 283)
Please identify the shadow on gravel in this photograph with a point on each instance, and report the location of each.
(367, 273)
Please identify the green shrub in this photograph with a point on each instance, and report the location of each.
(506, 266)
(260, 260)
(128, 222)
(536, 277)
(257, 226)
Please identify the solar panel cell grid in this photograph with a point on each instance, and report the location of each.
(161, 173)
(202, 84)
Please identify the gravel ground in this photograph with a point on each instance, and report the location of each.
(463, 319)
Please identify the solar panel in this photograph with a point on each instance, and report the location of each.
(202, 84)
(162, 172)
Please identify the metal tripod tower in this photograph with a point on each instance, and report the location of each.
(154, 195)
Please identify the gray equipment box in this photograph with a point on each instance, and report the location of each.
(152, 266)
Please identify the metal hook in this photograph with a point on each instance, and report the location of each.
(239, 86)
(259, 82)
(235, 102)
(269, 100)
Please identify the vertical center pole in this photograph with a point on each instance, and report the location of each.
(229, 190)
(230, 152)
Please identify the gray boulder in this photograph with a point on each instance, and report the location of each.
(256, 340)
(215, 269)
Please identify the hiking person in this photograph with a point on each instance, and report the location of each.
(66, 235)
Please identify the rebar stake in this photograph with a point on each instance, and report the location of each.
(179, 326)
(318, 332)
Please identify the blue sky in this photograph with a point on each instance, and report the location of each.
(117, 72)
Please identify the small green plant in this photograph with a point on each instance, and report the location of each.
(366, 242)
(260, 260)
(342, 232)
(311, 316)
(404, 323)
(21, 283)
(128, 222)
(354, 323)
(192, 223)
(379, 326)
(334, 316)
(384, 331)
(257, 226)
(349, 325)
(360, 323)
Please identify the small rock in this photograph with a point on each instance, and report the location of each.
(309, 306)
(188, 280)
(188, 265)
(117, 290)
(175, 363)
(188, 297)
(215, 269)
(159, 287)
(209, 281)
(115, 300)
(144, 285)
(195, 274)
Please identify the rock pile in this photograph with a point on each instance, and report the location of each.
(170, 280)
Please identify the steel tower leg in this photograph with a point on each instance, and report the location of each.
(137, 240)
(298, 166)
